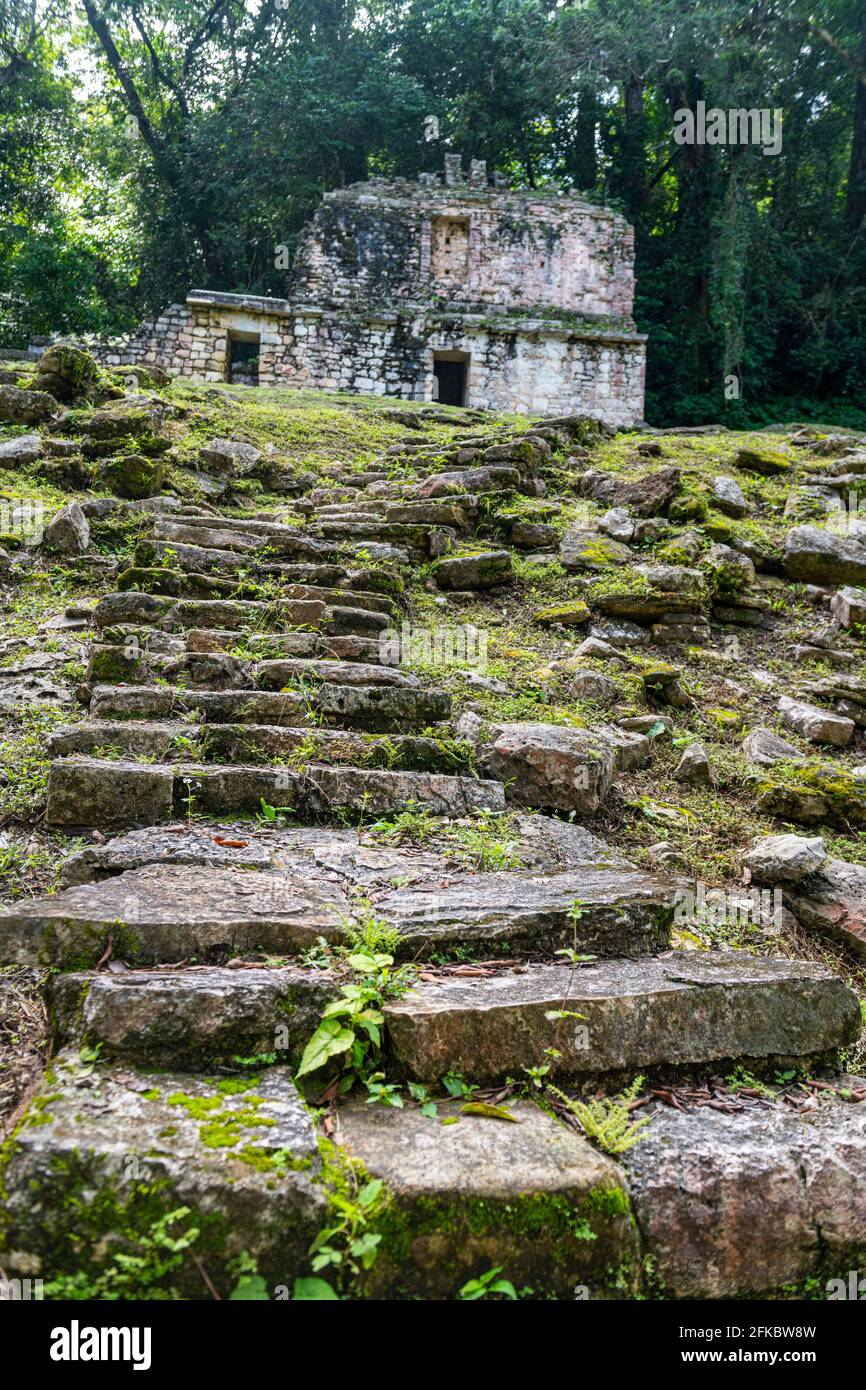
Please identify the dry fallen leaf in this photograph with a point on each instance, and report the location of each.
(488, 1112)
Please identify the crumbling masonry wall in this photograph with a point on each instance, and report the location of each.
(534, 290)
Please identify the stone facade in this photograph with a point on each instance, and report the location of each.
(447, 289)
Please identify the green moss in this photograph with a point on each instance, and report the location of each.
(112, 665)
(566, 614)
(557, 1223)
(237, 1085)
(108, 1240)
(688, 507)
(80, 947)
(612, 1201)
(197, 1107)
(837, 795)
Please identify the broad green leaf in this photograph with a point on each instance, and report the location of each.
(329, 1040)
(309, 1290)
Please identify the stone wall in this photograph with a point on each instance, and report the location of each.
(535, 368)
(392, 242)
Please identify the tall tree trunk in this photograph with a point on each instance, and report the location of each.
(166, 166)
(855, 199)
(584, 157)
(694, 173)
(633, 179)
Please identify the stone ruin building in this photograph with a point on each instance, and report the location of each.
(449, 288)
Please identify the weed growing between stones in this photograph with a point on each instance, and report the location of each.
(606, 1122)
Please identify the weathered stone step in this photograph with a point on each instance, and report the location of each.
(251, 743)
(173, 913)
(218, 671)
(684, 1008)
(230, 534)
(532, 1198)
(342, 620)
(360, 515)
(195, 558)
(121, 794)
(377, 708)
(129, 738)
(365, 860)
(733, 1205)
(606, 911)
(362, 531)
(344, 598)
(224, 568)
(157, 610)
(276, 646)
(623, 1016)
(233, 533)
(239, 1153)
(159, 702)
(179, 583)
(707, 1205)
(193, 1018)
(276, 673)
(325, 573)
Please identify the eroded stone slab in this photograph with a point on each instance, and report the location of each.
(110, 794)
(833, 903)
(539, 842)
(212, 706)
(533, 1198)
(194, 1018)
(815, 724)
(379, 708)
(683, 1008)
(171, 913)
(732, 1205)
(325, 789)
(106, 1152)
(610, 912)
(550, 765)
(816, 556)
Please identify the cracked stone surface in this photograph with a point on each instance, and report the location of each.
(464, 1193)
(682, 1008)
(169, 912)
(144, 1145)
(742, 1204)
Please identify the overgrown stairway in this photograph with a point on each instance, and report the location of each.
(241, 724)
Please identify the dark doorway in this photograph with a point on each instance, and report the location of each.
(243, 363)
(451, 372)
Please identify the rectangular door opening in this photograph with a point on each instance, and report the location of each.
(450, 377)
(243, 359)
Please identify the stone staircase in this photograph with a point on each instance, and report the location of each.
(242, 729)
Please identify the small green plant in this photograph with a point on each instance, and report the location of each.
(421, 1094)
(250, 1285)
(457, 1087)
(606, 1121)
(349, 1244)
(487, 1286)
(142, 1273)
(381, 1092)
(351, 1026)
(416, 824)
(274, 815)
(189, 799)
(742, 1080)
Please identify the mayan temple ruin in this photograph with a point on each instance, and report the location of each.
(451, 288)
